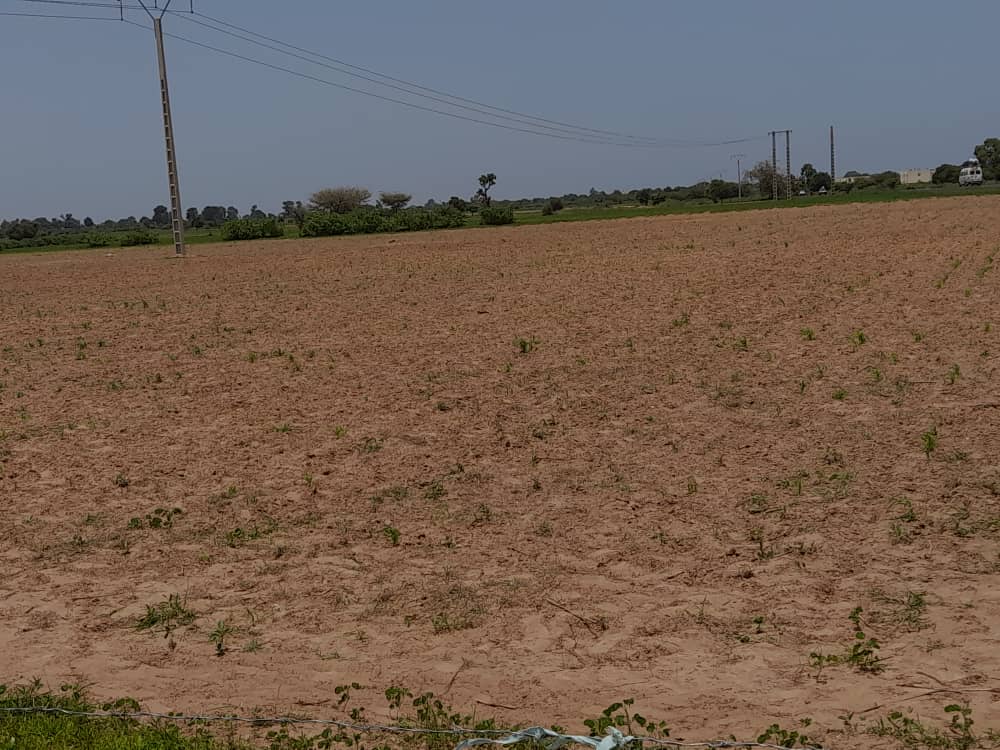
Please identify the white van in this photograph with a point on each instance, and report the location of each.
(971, 174)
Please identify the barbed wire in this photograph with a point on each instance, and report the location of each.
(547, 737)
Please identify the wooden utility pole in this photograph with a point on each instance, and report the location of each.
(739, 173)
(177, 213)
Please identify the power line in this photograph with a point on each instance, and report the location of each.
(440, 93)
(177, 217)
(479, 108)
(87, 4)
(484, 110)
(77, 3)
(394, 100)
(59, 17)
(532, 124)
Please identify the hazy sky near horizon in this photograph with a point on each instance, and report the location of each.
(907, 83)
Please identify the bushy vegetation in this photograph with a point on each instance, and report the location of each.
(340, 200)
(84, 239)
(554, 206)
(371, 221)
(252, 229)
(138, 237)
(39, 731)
(495, 216)
(390, 214)
(394, 201)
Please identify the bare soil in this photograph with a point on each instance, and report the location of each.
(533, 470)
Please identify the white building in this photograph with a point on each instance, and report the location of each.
(915, 176)
(852, 176)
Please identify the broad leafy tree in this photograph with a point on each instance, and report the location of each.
(340, 200)
(486, 181)
(988, 153)
(395, 201)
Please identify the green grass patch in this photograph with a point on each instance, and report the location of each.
(669, 208)
(55, 731)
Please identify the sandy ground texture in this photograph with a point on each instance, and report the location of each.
(533, 470)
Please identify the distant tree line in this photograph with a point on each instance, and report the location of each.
(68, 230)
(988, 153)
(391, 211)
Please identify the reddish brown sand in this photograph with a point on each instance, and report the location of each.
(603, 516)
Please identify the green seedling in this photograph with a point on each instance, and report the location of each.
(434, 490)
(527, 346)
(168, 614)
(621, 716)
(957, 735)
(444, 623)
(862, 654)
(240, 536)
(371, 445)
(161, 518)
(218, 636)
(392, 534)
(930, 441)
(775, 735)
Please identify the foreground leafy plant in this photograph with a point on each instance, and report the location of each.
(913, 734)
(167, 614)
(218, 636)
(929, 439)
(621, 716)
(775, 735)
(862, 654)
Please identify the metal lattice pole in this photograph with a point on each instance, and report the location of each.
(177, 219)
(788, 163)
(833, 160)
(774, 165)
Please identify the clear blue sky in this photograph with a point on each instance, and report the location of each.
(906, 82)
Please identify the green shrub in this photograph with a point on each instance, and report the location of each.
(370, 221)
(251, 229)
(447, 217)
(96, 239)
(494, 217)
(325, 224)
(139, 237)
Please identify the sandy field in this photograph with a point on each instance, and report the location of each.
(534, 470)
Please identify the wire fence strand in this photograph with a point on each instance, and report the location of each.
(546, 737)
